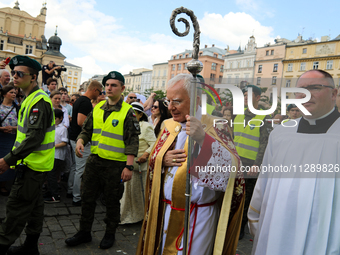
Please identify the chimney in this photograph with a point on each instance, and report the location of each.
(205, 46)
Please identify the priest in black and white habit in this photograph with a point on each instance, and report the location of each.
(296, 210)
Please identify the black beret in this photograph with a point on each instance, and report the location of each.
(256, 89)
(113, 75)
(24, 61)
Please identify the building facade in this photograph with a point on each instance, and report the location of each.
(239, 66)
(72, 77)
(146, 81)
(159, 76)
(133, 80)
(212, 59)
(323, 55)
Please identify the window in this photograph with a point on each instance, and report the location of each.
(260, 69)
(213, 66)
(247, 63)
(76, 73)
(179, 67)
(185, 66)
(267, 52)
(2, 45)
(221, 68)
(201, 53)
(215, 55)
(238, 64)
(212, 77)
(173, 67)
(159, 72)
(329, 64)
(164, 73)
(275, 67)
(288, 83)
(157, 84)
(70, 73)
(304, 50)
(174, 57)
(258, 81)
(272, 52)
(163, 84)
(274, 80)
(186, 55)
(75, 80)
(231, 65)
(74, 89)
(69, 80)
(316, 65)
(29, 49)
(303, 66)
(290, 67)
(180, 56)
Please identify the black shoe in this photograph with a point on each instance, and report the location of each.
(79, 238)
(4, 249)
(108, 241)
(76, 203)
(52, 200)
(30, 246)
(69, 195)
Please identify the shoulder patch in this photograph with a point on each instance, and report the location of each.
(137, 126)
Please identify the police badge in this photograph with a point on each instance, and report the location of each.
(252, 126)
(115, 123)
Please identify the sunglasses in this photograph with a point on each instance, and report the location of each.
(154, 107)
(100, 92)
(20, 73)
(133, 97)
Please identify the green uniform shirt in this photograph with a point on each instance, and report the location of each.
(264, 135)
(35, 133)
(130, 137)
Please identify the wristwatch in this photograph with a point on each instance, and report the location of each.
(130, 167)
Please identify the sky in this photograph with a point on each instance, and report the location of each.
(105, 35)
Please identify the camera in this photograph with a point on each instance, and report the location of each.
(62, 69)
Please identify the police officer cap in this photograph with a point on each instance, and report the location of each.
(24, 61)
(291, 106)
(256, 89)
(113, 75)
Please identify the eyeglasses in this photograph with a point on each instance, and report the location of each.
(314, 88)
(174, 103)
(133, 97)
(100, 92)
(19, 73)
(154, 107)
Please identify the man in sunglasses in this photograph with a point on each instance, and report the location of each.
(32, 156)
(297, 211)
(113, 130)
(131, 97)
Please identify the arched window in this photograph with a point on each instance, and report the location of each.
(22, 28)
(8, 24)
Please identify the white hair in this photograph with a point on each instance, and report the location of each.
(3, 70)
(186, 78)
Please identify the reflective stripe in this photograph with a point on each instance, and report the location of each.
(94, 143)
(41, 147)
(96, 131)
(45, 146)
(247, 147)
(111, 148)
(252, 137)
(25, 129)
(111, 135)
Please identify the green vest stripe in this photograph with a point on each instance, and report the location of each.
(252, 137)
(111, 148)
(114, 136)
(247, 147)
(95, 143)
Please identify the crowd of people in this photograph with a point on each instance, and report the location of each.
(133, 152)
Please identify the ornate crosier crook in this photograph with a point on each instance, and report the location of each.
(194, 67)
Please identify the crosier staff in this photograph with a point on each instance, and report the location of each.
(194, 66)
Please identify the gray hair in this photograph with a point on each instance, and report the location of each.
(186, 78)
(3, 70)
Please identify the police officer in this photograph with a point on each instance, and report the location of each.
(251, 142)
(32, 156)
(113, 130)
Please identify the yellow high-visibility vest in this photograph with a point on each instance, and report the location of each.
(107, 137)
(42, 159)
(247, 139)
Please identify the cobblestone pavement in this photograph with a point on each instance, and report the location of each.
(62, 221)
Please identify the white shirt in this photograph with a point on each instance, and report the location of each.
(60, 136)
